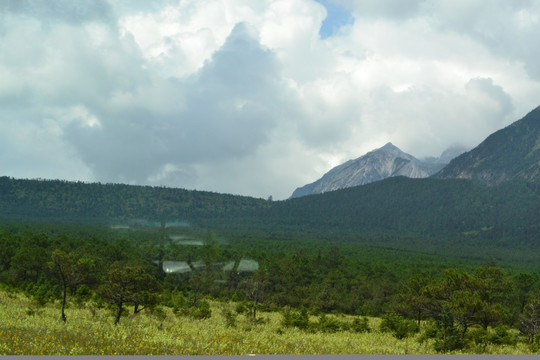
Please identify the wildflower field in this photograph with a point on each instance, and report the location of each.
(30, 329)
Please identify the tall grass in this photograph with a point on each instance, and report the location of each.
(28, 329)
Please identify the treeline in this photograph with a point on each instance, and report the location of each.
(127, 275)
(79, 202)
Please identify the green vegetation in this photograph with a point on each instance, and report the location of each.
(443, 217)
(30, 329)
(316, 299)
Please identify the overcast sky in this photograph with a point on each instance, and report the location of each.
(253, 97)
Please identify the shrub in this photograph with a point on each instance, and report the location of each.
(448, 336)
(398, 326)
(448, 339)
(501, 336)
(328, 325)
(173, 299)
(241, 308)
(360, 325)
(295, 319)
(230, 318)
(430, 332)
(82, 295)
(479, 337)
(158, 312)
(201, 310)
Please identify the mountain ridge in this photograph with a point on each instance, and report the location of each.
(384, 162)
(509, 153)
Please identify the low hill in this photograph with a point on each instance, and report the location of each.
(56, 200)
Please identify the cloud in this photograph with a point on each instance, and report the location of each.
(506, 28)
(228, 108)
(72, 12)
(388, 9)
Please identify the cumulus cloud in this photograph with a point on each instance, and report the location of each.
(250, 97)
(225, 111)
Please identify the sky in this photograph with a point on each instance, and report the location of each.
(252, 97)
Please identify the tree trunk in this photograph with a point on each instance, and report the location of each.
(465, 327)
(119, 312)
(64, 297)
(254, 311)
(64, 304)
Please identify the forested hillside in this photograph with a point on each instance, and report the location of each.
(447, 217)
(510, 153)
(64, 201)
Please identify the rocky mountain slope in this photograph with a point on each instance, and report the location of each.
(382, 163)
(510, 153)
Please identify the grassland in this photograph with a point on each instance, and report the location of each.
(29, 329)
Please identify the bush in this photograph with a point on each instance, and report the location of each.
(448, 336)
(398, 326)
(82, 295)
(158, 312)
(360, 325)
(430, 332)
(295, 319)
(174, 300)
(501, 336)
(241, 308)
(97, 301)
(42, 292)
(449, 340)
(230, 318)
(328, 325)
(535, 344)
(479, 337)
(201, 310)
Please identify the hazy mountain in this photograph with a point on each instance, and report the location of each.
(382, 163)
(510, 153)
(447, 155)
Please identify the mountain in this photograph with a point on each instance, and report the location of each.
(510, 153)
(382, 163)
(447, 155)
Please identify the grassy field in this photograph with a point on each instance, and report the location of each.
(28, 329)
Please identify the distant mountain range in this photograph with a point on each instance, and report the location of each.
(508, 154)
(447, 155)
(387, 161)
